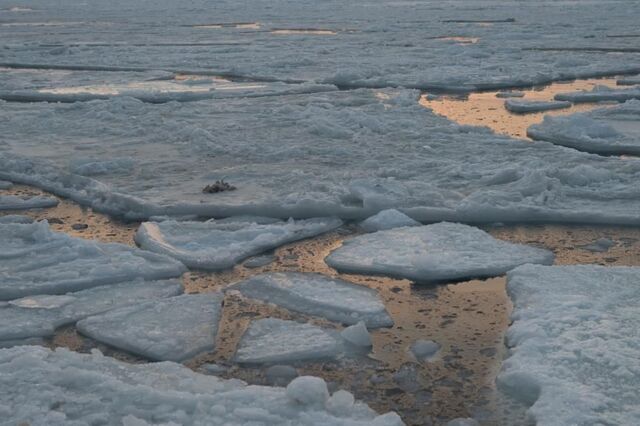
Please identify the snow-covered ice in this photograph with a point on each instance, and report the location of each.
(349, 154)
(387, 219)
(39, 316)
(35, 260)
(438, 252)
(600, 94)
(608, 131)
(316, 294)
(172, 329)
(574, 347)
(273, 340)
(524, 106)
(214, 245)
(12, 202)
(43, 387)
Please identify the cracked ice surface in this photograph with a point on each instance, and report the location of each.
(315, 294)
(372, 44)
(34, 260)
(348, 154)
(39, 316)
(44, 387)
(575, 355)
(608, 131)
(172, 329)
(438, 252)
(219, 245)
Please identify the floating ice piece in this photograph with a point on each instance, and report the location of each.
(599, 94)
(259, 261)
(628, 81)
(41, 315)
(55, 386)
(157, 97)
(601, 245)
(173, 329)
(340, 403)
(12, 202)
(607, 131)
(316, 294)
(214, 245)
(272, 340)
(524, 106)
(424, 349)
(438, 252)
(308, 390)
(357, 335)
(575, 357)
(35, 260)
(387, 219)
(512, 94)
(15, 218)
(280, 375)
(5, 184)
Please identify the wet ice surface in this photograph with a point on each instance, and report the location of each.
(467, 319)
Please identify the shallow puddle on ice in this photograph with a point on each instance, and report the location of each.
(468, 319)
(486, 109)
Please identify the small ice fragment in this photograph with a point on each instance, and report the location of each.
(424, 349)
(601, 245)
(214, 369)
(463, 422)
(340, 403)
(357, 335)
(308, 390)
(387, 219)
(280, 375)
(511, 94)
(259, 261)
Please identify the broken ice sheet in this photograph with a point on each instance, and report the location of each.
(171, 329)
(316, 294)
(35, 260)
(41, 315)
(432, 253)
(12, 202)
(218, 245)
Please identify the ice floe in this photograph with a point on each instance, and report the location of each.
(431, 253)
(4, 184)
(608, 131)
(273, 340)
(172, 329)
(574, 351)
(12, 202)
(424, 349)
(40, 386)
(35, 260)
(319, 295)
(357, 335)
(600, 94)
(41, 315)
(387, 219)
(629, 81)
(220, 245)
(524, 106)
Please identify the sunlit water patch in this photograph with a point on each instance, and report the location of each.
(488, 108)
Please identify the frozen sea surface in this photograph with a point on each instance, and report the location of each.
(172, 329)
(315, 294)
(312, 155)
(44, 387)
(35, 260)
(431, 253)
(575, 355)
(220, 245)
(609, 131)
(39, 316)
